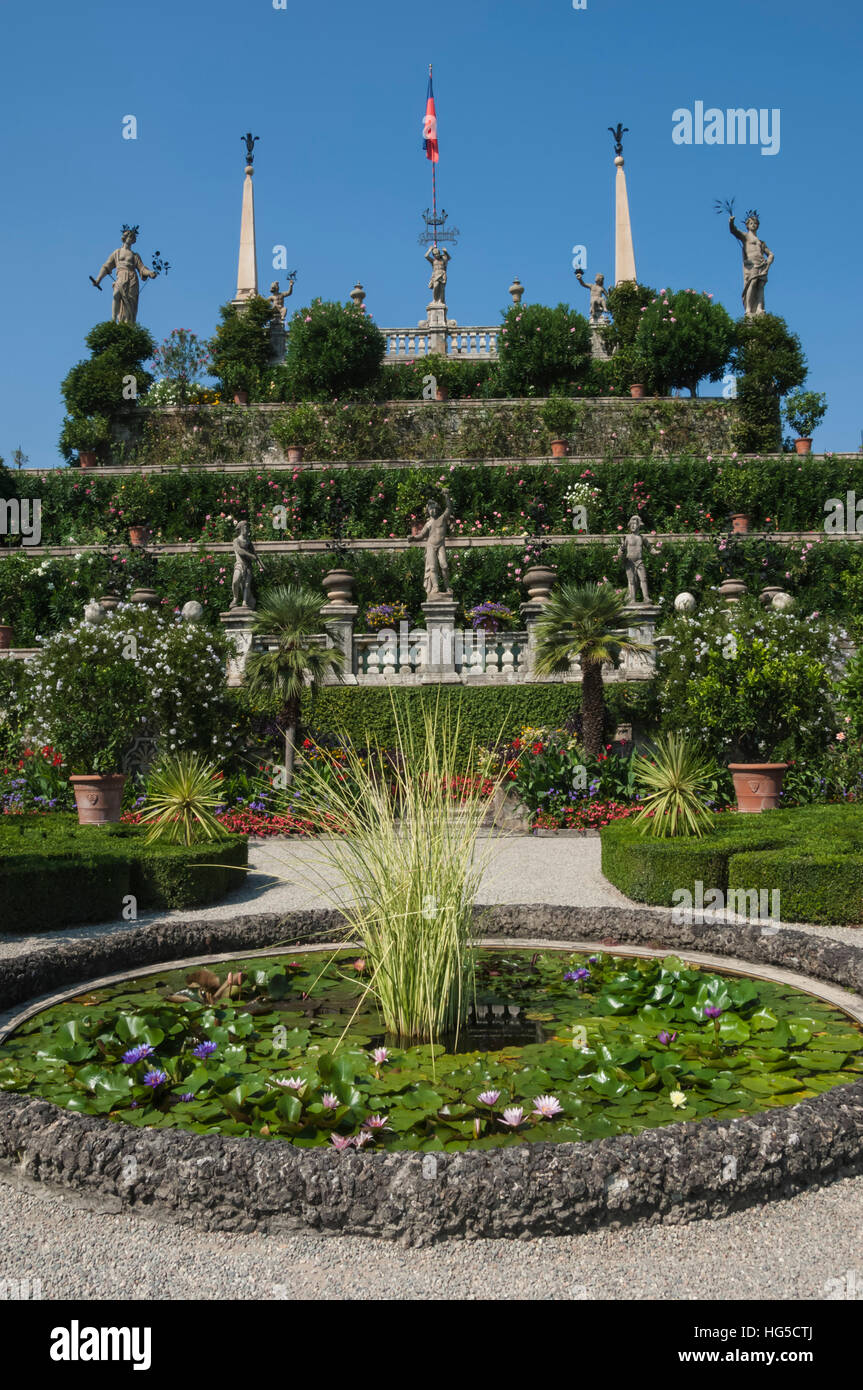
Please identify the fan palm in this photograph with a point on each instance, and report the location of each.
(292, 615)
(583, 621)
(183, 794)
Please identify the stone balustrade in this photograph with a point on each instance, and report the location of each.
(476, 344)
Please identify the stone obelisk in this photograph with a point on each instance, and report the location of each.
(247, 267)
(624, 252)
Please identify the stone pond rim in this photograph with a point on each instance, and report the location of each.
(678, 1172)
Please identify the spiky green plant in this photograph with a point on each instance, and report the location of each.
(676, 778)
(292, 615)
(404, 860)
(584, 621)
(182, 794)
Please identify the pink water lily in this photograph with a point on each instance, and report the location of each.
(546, 1107)
(513, 1116)
(488, 1097)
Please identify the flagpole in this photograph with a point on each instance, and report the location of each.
(434, 181)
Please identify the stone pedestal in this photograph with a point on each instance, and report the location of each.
(339, 620)
(439, 664)
(530, 612)
(598, 349)
(237, 623)
(437, 326)
(640, 619)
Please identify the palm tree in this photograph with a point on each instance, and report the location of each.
(292, 615)
(584, 622)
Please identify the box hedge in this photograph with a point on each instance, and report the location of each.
(54, 872)
(812, 855)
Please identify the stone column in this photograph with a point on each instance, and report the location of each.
(437, 325)
(530, 612)
(339, 620)
(439, 663)
(237, 623)
(640, 619)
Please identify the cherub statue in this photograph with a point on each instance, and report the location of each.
(632, 549)
(434, 533)
(598, 297)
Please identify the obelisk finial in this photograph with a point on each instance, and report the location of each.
(247, 267)
(624, 252)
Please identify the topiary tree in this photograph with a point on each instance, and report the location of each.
(333, 350)
(542, 349)
(685, 337)
(242, 346)
(112, 378)
(625, 303)
(769, 361)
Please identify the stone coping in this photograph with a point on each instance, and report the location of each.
(675, 1173)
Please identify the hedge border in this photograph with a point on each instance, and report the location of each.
(677, 1173)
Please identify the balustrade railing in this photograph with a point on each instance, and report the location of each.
(477, 344)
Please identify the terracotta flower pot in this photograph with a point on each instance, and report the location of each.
(441, 393)
(5, 637)
(803, 446)
(416, 527)
(139, 535)
(636, 391)
(241, 398)
(87, 458)
(99, 799)
(740, 523)
(558, 448)
(295, 453)
(757, 785)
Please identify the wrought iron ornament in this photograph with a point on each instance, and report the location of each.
(250, 140)
(437, 231)
(617, 133)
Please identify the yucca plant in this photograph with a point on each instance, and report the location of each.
(182, 794)
(405, 858)
(584, 621)
(676, 778)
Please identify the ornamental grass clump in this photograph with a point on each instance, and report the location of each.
(407, 857)
(182, 796)
(678, 781)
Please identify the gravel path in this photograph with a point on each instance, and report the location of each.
(807, 1247)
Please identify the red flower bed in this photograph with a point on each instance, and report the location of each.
(588, 815)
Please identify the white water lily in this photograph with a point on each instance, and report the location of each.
(678, 1099)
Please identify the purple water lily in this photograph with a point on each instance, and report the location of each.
(381, 1055)
(711, 1011)
(582, 973)
(513, 1116)
(666, 1038)
(329, 1101)
(187, 1095)
(377, 1122)
(155, 1078)
(204, 1050)
(136, 1054)
(339, 1142)
(488, 1097)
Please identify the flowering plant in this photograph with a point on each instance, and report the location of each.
(381, 616)
(490, 617)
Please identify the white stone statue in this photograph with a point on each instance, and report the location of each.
(632, 548)
(439, 258)
(127, 266)
(245, 557)
(434, 533)
(598, 297)
(757, 260)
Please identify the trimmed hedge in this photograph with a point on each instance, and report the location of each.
(54, 872)
(812, 855)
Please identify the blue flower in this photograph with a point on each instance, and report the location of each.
(204, 1050)
(136, 1054)
(155, 1078)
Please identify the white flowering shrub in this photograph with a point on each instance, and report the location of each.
(749, 684)
(94, 692)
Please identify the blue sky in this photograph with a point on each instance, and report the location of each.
(525, 90)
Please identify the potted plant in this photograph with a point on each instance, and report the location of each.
(238, 380)
(631, 371)
(490, 617)
(86, 436)
(5, 636)
(298, 429)
(132, 503)
(560, 415)
(804, 411)
(739, 487)
(443, 374)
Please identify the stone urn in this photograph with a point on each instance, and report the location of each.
(295, 453)
(636, 391)
(803, 446)
(757, 786)
(338, 585)
(769, 592)
(732, 590)
(558, 448)
(99, 798)
(739, 523)
(139, 535)
(5, 637)
(109, 601)
(538, 581)
(87, 458)
(147, 598)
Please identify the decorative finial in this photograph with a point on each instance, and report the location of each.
(358, 295)
(516, 289)
(250, 140)
(617, 133)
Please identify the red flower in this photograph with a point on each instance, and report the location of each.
(537, 748)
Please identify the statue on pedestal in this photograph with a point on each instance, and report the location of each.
(598, 297)
(434, 533)
(632, 549)
(438, 257)
(757, 259)
(127, 265)
(278, 297)
(246, 557)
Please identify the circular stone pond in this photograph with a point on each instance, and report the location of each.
(292, 1122)
(557, 1046)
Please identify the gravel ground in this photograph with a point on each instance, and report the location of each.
(807, 1247)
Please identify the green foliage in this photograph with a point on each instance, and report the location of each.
(54, 872)
(625, 303)
(183, 793)
(88, 433)
(301, 425)
(684, 337)
(542, 348)
(813, 855)
(749, 685)
(768, 360)
(677, 780)
(333, 350)
(241, 348)
(99, 385)
(561, 415)
(804, 411)
(92, 692)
